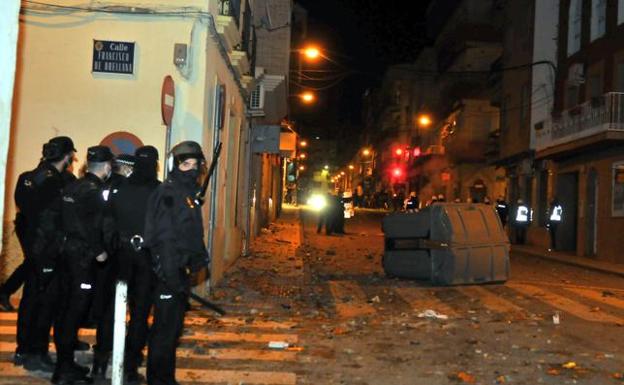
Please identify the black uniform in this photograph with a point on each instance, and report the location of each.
(174, 235)
(38, 197)
(128, 207)
(83, 208)
(502, 208)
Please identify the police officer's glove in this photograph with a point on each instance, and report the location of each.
(102, 257)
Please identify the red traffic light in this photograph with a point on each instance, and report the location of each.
(397, 172)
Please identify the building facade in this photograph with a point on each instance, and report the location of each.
(95, 73)
(581, 148)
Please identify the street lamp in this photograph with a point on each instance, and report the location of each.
(301, 168)
(366, 152)
(326, 167)
(351, 167)
(424, 120)
(303, 143)
(311, 52)
(302, 156)
(307, 97)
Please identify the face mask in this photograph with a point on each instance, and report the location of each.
(191, 174)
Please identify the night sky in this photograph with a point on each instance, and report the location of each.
(364, 37)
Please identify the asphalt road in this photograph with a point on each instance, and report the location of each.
(306, 308)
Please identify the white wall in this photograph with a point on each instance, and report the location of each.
(9, 13)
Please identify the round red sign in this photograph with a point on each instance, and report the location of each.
(167, 100)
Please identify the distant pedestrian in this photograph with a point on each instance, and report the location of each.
(411, 205)
(502, 208)
(326, 216)
(555, 215)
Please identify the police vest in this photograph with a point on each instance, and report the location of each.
(556, 213)
(522, 216)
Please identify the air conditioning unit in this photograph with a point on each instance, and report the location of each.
(436, 150)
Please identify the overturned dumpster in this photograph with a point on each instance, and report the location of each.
(447, 244)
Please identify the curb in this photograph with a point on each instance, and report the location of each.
(574, 262)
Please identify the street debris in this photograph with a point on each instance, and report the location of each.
(432, 314)
(375, 299)
(463, 377)
(556, 319)
(278, 345)
(569, 365)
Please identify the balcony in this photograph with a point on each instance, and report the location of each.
(227, 23)
(596, 121)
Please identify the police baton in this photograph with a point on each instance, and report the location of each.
(201, 194)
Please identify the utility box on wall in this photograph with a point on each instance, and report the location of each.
(266, 139)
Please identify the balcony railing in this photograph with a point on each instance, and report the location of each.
(598, 115)
(230, 8)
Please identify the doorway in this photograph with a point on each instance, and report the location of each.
(567, 192)
(591, 214)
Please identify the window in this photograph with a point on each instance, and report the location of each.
(598, 19)
(619, 77)
(575, 18)
(620, 19)
(572, 95)
(595, 86)
(256, 99)
(617, 190)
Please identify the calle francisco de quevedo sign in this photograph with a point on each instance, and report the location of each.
(116, 57)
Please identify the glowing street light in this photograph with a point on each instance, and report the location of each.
(301, 168)
(366, 152)
(302, 156)
(342, 173)
(303, 143)
(326, 167)
(351, 167)
(307, 97)
(424, 120)
(311, 52)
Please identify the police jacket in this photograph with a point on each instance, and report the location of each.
(174, 230)
(38, 198)
(83, 210)
(128, 205)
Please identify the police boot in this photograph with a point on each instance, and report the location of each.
(70, 374)
(100, 364)
(39, 362)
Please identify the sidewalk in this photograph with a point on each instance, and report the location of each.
(570, 259)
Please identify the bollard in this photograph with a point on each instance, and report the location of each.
(119, 332)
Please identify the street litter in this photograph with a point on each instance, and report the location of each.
(556, 318)
(432, 314)
(376, 299)
(569, 365)
(278, 345)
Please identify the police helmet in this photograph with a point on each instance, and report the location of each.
(147, 153)
(183, 151)
(125, 159)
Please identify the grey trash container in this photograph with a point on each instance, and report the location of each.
(447, 244)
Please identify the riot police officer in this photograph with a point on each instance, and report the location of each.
(38, 198)
(85, 245)
(555, 215)
(127, 206)
(174, 235)
(502, 208)
(522, 219)
(102, 304)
